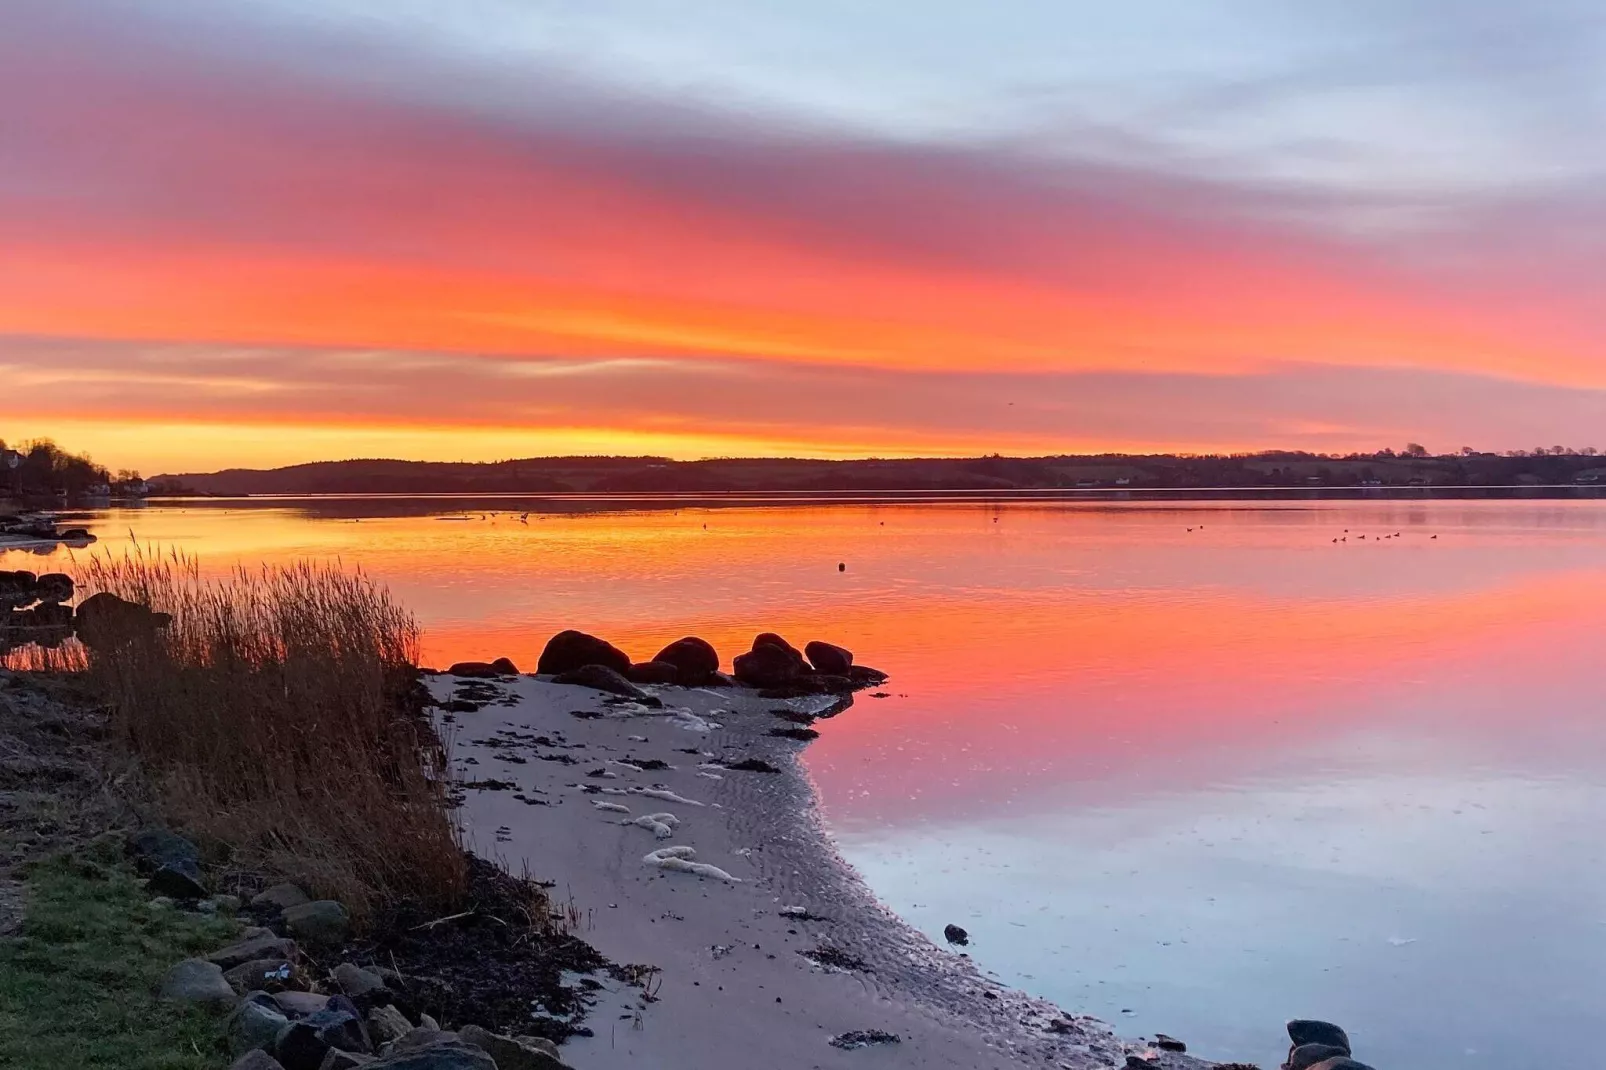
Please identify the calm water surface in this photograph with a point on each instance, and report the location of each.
(1194, 781)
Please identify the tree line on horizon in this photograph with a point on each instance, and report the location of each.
(39, 467)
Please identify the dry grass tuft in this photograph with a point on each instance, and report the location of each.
(278, 714)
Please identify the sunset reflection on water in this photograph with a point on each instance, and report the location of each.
(1195, 781)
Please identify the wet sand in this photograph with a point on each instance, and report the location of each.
(736, 987)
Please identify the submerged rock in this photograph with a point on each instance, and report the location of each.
(256, 1060)
(570, 650)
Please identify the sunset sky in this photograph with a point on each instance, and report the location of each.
(253, 232)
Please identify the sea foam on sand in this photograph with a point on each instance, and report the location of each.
(726, 912)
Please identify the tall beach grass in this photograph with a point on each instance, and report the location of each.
(278, 714)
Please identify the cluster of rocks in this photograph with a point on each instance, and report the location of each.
(285, 1014)
(35, 610)
(772, 665)
(38, 527)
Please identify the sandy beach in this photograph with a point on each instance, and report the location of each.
(768, 956)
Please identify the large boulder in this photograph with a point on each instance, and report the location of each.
(177, 880)
(253, 949)
(829, 658)
(386, 1024)
(335, 1059)
(653, 672)
(694, 658)
(444, 1055)
(280, 897)
(252, 1026)
(54, 588)
(358, 983)
(17, 589)
(106, 622)
(769, 666)
(1313, 1031)
(601, 678)
(321, 923)
(771, 639)
(570, 650)
(256, 1060)
(484, 670)
(513, 1053)
(197, 981)
(153, 848)
(302, 1045)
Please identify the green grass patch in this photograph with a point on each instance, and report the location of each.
(78, 987)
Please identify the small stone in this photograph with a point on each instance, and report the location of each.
(301, 1004)
(258, 932)
(227, 904)
(281, 897)
(161, 902)
(1343, 1062)
(197, 981)
(1165, 1043)
(262, 947)
(425, 1021)
(387, 1024)
(251, 1026)
(206, 906)
(509, 1054)
(1311, 1031)
(302, 1045)
(323, 923)
(269, 974)
(336, 1059)
(256, 1060)
(357, 982)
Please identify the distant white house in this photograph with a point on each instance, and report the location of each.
(133, 488)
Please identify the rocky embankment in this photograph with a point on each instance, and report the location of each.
(40, 528)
